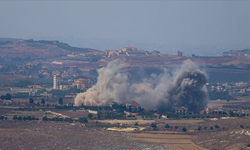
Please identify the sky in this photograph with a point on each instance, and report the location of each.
(159, 25)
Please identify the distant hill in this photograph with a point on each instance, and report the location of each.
(19, 49)
(237, 52)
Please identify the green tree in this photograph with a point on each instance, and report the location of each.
(153, 125)
(217, 126)
(176, 127)
(242, 126)
(1, 117)
(211, 128)
(8, 96)
(31, 100)
(15, 117)
(199, 128)
(83, 120)
(167, 126)
(45, 118)
(184, 129)
(90, 116)
(43, 102)
(60, 101)
(2, 97)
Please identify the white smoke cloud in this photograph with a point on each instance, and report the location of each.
(184, 88)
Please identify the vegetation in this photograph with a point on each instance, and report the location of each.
(60, 101)
(199, 128)
(217, 126)
(184, 129)
(24, 118)
(153, 125)
(43, 102)
(242, 126)
(83, 120)
(90, 116)
(45, 118)
(31, 100)
(167, 126)
(109, 115)
(214, 95)
(211, 128)
(7, 96)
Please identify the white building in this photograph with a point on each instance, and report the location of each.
(56, 81)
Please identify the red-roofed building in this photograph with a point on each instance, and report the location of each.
(134, 106)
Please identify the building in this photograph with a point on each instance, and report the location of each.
(126, 49)
(56, 81)
(181, 111)
(81, 83)
(134, 106)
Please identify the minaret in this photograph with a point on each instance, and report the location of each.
(56, 81)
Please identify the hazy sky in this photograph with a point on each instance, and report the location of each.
(152, 22)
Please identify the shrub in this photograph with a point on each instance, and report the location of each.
(199, 128)
(45, 118)
(15, 117)
(211, 128)
(83, 120)
(248, 145)
(153, 125)
(136, 124)
(242, 126)
(167, 126)
(176, 127)
(2, 117)
(217, 126)
(90, 116)
(205, 128)
(184, 129)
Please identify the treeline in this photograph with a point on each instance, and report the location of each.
(29, 118)
(110, 115)
(67, 119)
(214, 95)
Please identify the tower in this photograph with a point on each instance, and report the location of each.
(56, 81)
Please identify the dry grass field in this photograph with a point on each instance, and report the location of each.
(174, 140)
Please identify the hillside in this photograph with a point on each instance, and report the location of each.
(26, 50)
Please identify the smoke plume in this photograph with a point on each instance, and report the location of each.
(184, 87)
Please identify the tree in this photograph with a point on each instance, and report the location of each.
(31, 100)
(211, 128)
(199, 128)
(2, 117)
(43, 102)
(90, 116)
(167, 126)
(45, 118)
(184, 129)
(242, 126)
(153, 125)
(217, 126)
(176, 127)
(83, 120)
(8, 96)
(60, 101)
(2, 97)
(15, 117)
